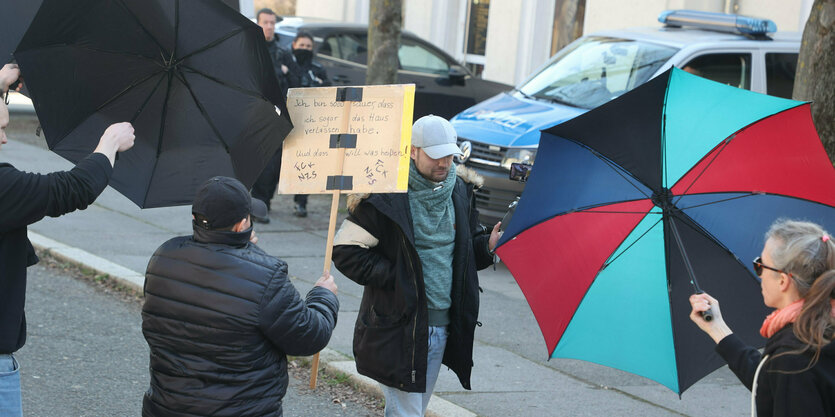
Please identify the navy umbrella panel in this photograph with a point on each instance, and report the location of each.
(621, 198)
(193, 76)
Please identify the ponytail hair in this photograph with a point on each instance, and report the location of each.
(815, 325)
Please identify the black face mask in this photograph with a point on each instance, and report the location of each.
(303, 56)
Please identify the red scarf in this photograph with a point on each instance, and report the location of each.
(780, 318)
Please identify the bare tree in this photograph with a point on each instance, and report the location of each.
(569, 15)
(815, 77)
(384, 27)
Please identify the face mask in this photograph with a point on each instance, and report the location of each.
(303, 56)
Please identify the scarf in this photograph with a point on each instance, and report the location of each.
(433, 218)
(781, 317)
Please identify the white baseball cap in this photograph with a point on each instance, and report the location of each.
(436, 136)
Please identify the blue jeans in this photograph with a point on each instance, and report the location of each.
(413, 404)
(10, 403)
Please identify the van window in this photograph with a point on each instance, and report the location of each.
(779, 73)
(731, 69)
(350, 47)
(596, 69)
(414, 57)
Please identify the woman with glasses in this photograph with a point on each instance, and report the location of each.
(795, 373)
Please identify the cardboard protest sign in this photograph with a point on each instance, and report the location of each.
(348, 139)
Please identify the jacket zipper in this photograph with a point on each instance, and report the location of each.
(417, 301)
(465, 268)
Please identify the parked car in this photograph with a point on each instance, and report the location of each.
(442, 86)
(599, 67)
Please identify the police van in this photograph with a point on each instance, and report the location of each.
(740, 51)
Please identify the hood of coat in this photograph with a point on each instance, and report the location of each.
(237, 239)
(469, 176)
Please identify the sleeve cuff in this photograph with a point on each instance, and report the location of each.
(100, 161)
(729, 344)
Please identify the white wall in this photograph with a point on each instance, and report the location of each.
(440, 22)
(338, 10)
(617, 14)
(518, 38)
(785, 13)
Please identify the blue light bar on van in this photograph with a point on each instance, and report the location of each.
(721, 22)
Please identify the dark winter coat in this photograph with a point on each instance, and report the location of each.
(278, 54)
(785, 387)
(299, 75)
(26, 198)
(219, 317)
(375, 247)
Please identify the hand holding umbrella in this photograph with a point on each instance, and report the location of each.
(495, 235)
(8, 74)
(716, 327)
(118, 137)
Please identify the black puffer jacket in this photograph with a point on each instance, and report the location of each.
(219, 316)
(375, 247)
(786, 385)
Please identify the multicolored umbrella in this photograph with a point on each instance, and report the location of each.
(633, 206)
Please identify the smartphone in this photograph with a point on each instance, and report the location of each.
(519, 172)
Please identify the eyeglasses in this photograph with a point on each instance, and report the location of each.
(758, 267)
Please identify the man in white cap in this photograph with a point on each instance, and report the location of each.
(417, 255)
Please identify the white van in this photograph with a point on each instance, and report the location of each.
(744, 52)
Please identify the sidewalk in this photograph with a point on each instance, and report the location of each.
(511, 375)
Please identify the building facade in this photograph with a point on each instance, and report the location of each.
(507, 40)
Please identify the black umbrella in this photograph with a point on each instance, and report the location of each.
(15, 16)
(193, 76)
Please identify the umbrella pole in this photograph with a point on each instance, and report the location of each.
(707, 315)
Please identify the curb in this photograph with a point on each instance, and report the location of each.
(82, 258)
(331, 361)
(438, 407)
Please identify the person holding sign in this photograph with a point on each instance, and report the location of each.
(417, 255)
(220, 314)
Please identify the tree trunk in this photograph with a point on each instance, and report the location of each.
(569, 16)
(385, 21)
(815, 77)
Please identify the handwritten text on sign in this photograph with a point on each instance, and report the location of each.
(365, 141)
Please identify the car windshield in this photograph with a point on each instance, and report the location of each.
(596, 69)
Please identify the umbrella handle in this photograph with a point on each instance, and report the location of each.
(707, 314)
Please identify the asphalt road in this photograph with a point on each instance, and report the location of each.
(85, 354)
